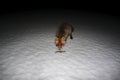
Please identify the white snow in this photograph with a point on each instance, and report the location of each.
(31, 56)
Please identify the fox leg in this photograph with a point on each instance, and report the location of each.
(71, 37)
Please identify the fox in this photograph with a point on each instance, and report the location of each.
(64, 31)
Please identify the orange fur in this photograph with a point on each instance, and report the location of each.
(64, 31)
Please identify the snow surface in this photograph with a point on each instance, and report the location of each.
(30, 55)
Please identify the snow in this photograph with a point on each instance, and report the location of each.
(31, 56)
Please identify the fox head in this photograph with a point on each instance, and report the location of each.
(60, 41)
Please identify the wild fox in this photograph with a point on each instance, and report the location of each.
(62, 34)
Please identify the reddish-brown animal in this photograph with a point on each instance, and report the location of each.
(62, 34)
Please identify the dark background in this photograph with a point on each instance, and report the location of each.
(112, 9)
